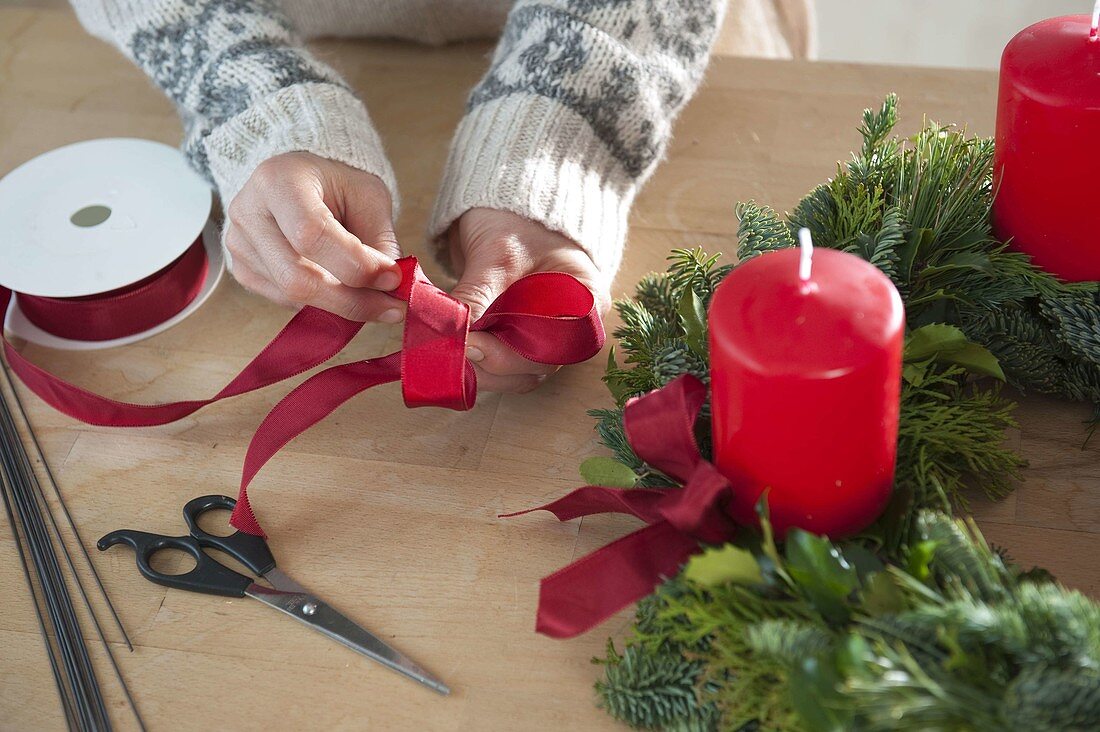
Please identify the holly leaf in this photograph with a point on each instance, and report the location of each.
(862, 559)
(918, 241)
(932, 340)
(977, 261)
(881, 595)
(722, 565)
(976, 359)
(693, 316)
(948, 345)
(608, 472)
(915, 373)
(612, 378)
(823, 574)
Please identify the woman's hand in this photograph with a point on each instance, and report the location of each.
(492, 249)
(306, 230)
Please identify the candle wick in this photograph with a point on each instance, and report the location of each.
(1095, 32)
(805, 263)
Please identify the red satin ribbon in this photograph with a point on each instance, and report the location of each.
(125, 311)
(548, 317)
(660, 428)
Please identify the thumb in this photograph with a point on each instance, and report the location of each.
(478, 288)
(483, 279)
(368, 213)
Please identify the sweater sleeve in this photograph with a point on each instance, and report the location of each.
(575, 112)
(245, 87)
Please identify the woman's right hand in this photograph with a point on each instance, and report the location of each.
(306, 230)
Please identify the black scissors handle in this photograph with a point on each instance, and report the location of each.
(208, 575)
(248, 549)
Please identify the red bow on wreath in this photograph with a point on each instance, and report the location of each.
(660, 428)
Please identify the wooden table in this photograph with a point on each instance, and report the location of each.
(390, 512)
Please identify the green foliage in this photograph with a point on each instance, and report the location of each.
(822, 574)
(946, 344)
(607, 471)
(917, 623)
(653, 690)
(693, 320)
(760, 230)
(968, 643)
(727, 563)
(951, 437)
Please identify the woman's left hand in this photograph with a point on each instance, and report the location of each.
(490, 250)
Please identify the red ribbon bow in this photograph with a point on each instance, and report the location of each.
(660, 428)
(549, 317)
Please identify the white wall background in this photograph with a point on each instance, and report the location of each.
(966, 33)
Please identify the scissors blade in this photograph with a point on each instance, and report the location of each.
(307, 609)
(281, 581)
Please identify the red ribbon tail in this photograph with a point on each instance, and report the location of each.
(640, 502)
(582, 595)
(309, 403)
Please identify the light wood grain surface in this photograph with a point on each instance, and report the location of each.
(390, 513)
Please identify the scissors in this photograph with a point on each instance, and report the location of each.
(211, 577)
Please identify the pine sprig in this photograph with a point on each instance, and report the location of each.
(653, 690)
(951, 438)
(760, 230)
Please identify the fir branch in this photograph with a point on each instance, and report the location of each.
(877, 126)
(658, 294)
(653, 690)
(1060, 700)
(881, 247)
(696, 269)
(1076, 318)
(759, 230)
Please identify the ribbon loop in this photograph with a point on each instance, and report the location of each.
(660, 427)
(434, 369)
(547, 317)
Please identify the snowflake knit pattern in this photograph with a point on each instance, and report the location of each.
(572, 116)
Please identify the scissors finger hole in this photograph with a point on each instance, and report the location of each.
(215, 521)
(171, 561)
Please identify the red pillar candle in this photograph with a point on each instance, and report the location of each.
(1048, 134)
(805, 387)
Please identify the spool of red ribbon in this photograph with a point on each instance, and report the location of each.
(107, 242)
(124, 312)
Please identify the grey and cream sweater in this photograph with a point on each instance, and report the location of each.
(571, 117)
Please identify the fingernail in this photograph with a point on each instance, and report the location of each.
(393, 315)
(387, 281)
(474, 354)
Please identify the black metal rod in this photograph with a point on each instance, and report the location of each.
(38, 508)
(41, 495)
(65, 509)
(42, 574)
(90, 708)
(48, 578)
(51, 648)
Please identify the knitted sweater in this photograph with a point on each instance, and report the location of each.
(571, 117)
